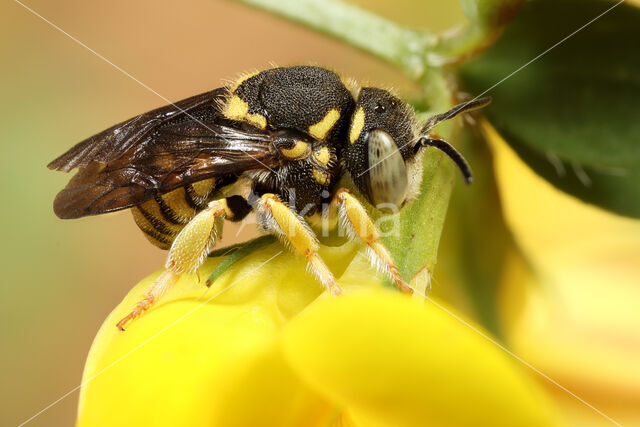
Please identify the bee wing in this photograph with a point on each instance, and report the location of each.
(157, 152)
(112, 143)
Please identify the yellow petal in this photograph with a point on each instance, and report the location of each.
(196, 361)
(263, 390)
(577, 319)
(154, 374)
(391, 362)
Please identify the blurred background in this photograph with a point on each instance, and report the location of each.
(567, 298)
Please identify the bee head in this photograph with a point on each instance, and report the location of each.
(384, 146)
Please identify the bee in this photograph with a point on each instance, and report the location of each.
(274, 142)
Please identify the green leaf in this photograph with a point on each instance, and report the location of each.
(617, 190)
(572, 113)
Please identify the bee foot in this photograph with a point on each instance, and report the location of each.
(142, 306)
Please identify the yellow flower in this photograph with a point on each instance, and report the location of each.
(265, 347)
(577, 319)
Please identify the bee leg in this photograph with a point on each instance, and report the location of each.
(354, 217)
(188, 251)
(159, 287)
(291, 228)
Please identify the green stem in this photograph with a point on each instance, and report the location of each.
(461, 44)
(487, 19)
(367, 31)
(415, 247)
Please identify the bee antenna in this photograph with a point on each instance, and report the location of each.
(453, 154)
(464, 107)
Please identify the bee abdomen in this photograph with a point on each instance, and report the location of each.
(162, 218)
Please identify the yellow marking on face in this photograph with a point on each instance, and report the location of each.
(237, 109)
(320, 176)
(243, 78)
(357, 123)
(297, 151)
(322, 156)
(322, 128)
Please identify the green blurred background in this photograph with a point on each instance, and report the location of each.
(62, 278)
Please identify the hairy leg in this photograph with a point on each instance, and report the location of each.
(188, 251)
(277, 217)
(354, 217)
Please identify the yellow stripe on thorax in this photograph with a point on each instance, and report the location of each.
(322, 128)
(237, 109)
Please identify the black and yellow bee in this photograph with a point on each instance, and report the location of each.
(275, 142)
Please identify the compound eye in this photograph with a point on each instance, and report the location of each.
(388, 181)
